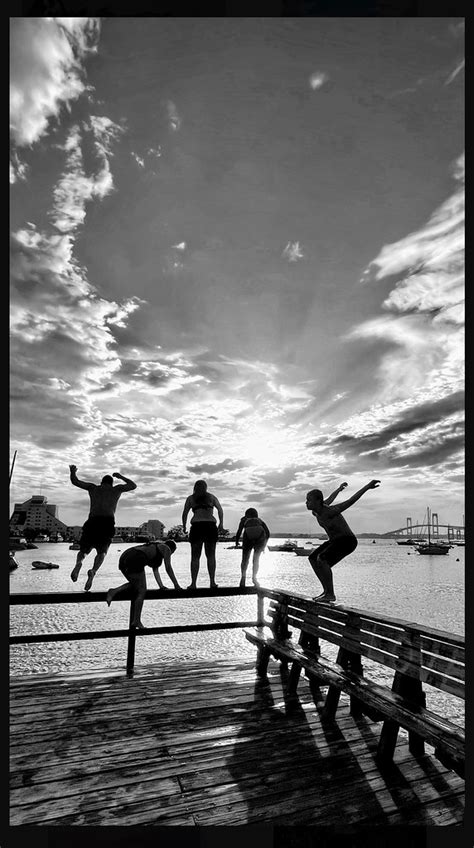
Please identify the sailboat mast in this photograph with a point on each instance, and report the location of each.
(429, 520)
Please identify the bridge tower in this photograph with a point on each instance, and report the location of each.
(434, 523)
(409, 527)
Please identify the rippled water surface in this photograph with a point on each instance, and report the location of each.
(382, 577)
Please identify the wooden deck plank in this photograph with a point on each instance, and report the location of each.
(189, 743)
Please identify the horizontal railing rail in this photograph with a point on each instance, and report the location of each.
(47, 598)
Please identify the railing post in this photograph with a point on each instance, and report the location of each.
(132, 636)
(260, 615)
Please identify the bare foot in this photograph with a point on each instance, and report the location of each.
(90, 577)
(75, 573)
(138, 626)
(325, 598)
(109, 597)
(190, 587)
(213, 586)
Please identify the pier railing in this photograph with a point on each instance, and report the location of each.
(130, 633)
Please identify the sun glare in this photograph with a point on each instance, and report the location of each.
(267, 447)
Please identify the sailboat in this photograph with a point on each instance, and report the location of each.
(429, 547)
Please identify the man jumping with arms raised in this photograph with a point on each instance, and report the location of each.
(342, 540)
(99, 529)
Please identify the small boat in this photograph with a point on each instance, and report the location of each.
(410, 541)
(75, 546)
(41, 537)
(13, 563)
(289, 546)
(117, 539)
(430, 548)
(37, 563)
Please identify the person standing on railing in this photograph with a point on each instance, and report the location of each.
(342, 540)
(203, 530)
(99, 529)
(255, 535)
(132, 565)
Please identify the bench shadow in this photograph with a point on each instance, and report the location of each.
(290, 766)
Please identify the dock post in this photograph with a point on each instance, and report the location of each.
(132, 637)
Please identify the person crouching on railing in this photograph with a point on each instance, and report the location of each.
(132, 565)
(255, 535)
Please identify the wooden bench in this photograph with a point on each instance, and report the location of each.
(415, 653)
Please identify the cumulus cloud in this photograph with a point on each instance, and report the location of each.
(46, 70)
(138, 159)
(293, 252)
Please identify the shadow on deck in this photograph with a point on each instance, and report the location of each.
(189, 743)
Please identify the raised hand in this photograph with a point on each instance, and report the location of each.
(72, 468)
(342, 486)
(373, 484)
(117, 475)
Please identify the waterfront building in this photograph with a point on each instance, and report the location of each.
(36, 514)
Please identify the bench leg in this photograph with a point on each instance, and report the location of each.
(294, 678)
(332, 702)
(263, 657)
(388, 740)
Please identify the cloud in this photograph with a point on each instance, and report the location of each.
(138, 160)
(423, 324)
(180, 246)
(459, 67)
(46, 70)
(225, 465)
(174, 120)
(317, 79)
(292, 251)
(74, 188)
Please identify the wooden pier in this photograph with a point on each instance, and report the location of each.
(200, 743)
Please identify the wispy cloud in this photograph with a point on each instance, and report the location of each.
(174, 119)
(293, 252)
(459, 67)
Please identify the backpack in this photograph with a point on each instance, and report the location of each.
(253, 528)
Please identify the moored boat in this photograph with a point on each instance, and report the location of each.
(289, 546)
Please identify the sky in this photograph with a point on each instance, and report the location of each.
(237, 254)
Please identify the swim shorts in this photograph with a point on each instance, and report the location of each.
(97, 532)
(203, 531)
(335, 549)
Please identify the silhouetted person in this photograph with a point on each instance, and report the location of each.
(255, 535)
(342, 540)
(203, 530)
(99, 529)
(132, 565)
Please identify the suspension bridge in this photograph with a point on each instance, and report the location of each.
(454, 532)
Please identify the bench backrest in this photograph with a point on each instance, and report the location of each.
(425, 654)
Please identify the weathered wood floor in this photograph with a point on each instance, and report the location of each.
(200, 744)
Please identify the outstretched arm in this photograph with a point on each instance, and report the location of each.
(169, 568)
(334, 494)
(75, 480)
(345, 504)
(129, 484)
(156, 574)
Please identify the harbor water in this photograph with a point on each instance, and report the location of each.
(380, 576)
